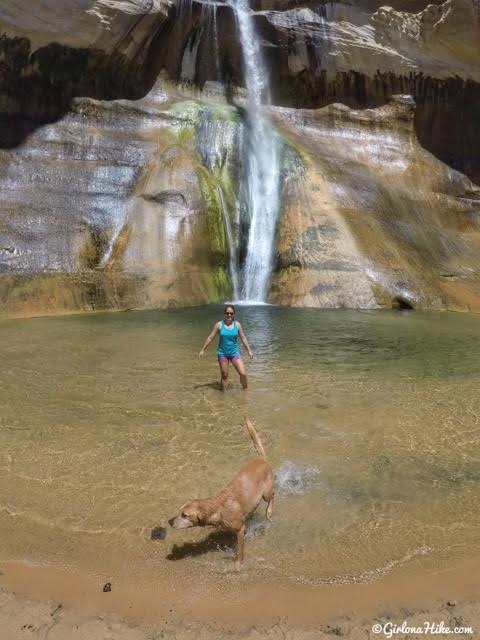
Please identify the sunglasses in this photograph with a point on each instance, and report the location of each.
(229, 313)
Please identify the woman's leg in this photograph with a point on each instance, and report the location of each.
(223, 363)
(242, 372)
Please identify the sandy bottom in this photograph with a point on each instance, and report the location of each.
(370, 422)
(49, 603)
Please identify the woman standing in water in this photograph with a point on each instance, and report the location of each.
(228, 350)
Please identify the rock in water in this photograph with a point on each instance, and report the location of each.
(159, 533)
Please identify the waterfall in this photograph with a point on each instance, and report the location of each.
(260, 148)
(189, 61)
(260, 189)
(216, 47)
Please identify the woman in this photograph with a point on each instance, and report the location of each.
(228, 350)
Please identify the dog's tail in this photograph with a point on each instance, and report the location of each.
(255, 438)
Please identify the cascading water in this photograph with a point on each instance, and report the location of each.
(260, 189)
(252, 238)
(216, 47)
(189, 61)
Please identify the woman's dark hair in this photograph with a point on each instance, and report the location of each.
(229, 306)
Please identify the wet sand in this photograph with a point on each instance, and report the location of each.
(46, 602)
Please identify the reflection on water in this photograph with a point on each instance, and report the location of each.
(371, 421)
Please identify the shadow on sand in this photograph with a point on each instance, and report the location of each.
(215, 541)
(209, 385)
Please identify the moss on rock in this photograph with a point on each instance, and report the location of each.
(94, 249)
(214, 224)
(219, 285)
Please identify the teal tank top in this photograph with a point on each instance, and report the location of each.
(227, 344)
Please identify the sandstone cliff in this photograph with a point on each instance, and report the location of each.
(121, 129)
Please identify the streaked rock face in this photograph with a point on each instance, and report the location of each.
(439, 41)
(375, 219)
(53, 51)
(111, 175)
(360, 54)
(103, 24)
(114, 211)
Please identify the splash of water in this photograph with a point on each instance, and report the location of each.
(296, 480)
(260, 193)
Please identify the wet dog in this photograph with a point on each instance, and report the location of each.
(229, 509)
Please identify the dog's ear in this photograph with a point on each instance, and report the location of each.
(201, 516)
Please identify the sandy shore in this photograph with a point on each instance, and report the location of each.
(22, 617)
(46, 603)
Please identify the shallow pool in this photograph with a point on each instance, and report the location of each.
(370, 420)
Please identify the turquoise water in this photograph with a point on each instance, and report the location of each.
(370, 420)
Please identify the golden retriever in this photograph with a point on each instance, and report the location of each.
(229, 509)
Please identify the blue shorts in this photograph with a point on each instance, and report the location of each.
(222, 358)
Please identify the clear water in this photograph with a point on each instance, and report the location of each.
(370, 420)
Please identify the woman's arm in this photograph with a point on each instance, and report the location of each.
(243, 338)
(215, 330)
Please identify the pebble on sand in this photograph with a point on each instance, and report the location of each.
(159, 533)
